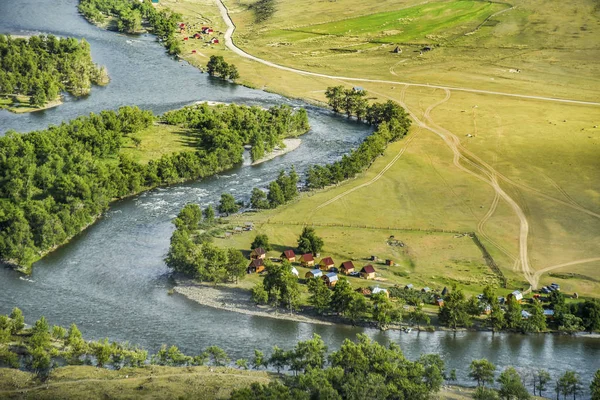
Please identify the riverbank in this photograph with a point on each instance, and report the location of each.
(23, 106)
(289, 146)
(235, 299)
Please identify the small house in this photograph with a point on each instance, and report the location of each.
(185, 38)
(288, 255)
(295, 272)
(237, 229)
(373, 258)
(549, 313)
(518, 296)
(256, 266)
(525, 314)
(445, 291)
(409, 286)
(326, 263)
(258, 253)
(347, 267)
(314, 273)
(197, 36)
(330, 279)
(440, 302)
(367, 272)
(214, 41)
(378, 290)
(307, 260)
(426, 290)
(358, 89)
(248, 226)
(389, 262)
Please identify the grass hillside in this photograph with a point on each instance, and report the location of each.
(543, 155)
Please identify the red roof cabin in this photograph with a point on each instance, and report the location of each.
(330, 279)
(197, 36)
(307, 260)
(193, 51)
(258, 253)
(256, 266)
(214, 41)
(288, 255)
(347, 267)
(389, 262)
(185, 38)
(368, 272)
(326, 263)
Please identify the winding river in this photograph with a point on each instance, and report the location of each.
(111, 280)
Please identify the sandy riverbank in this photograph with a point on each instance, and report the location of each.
(290, 145)
(236, 300)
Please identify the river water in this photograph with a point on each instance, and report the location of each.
(111, 280)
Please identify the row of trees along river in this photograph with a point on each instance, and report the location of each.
(359, 369)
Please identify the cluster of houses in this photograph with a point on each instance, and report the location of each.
(204, 30)
(324, 269)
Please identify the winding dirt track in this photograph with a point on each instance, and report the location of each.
(480, 169)
(538, 273)
(231, 46)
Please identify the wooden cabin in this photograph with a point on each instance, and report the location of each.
(409, 286)
(330, 279)
(367, 272)
(347, 267)
(389, 262)
(288, 255)
(214, 41)
(307, 260)
(326, 263)
(258, 253)
(313, 273)
(426, 290)
(518, 296)
(439, 302)
(256, 266)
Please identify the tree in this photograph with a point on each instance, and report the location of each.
(454, 311)
(275, 196)
(473, 306)
(320, 295)
(590, 314)
(279, 358)
(434, 371)
(513, 315)
(40, 362)
(209, 214)
(261, 240)
(17, 321)
(309, 242)
(511, 385)
(384, 311)
(357, 307)
(335, 97)
(341, 296)
(496, 318)
(569, 383)
(259, 359)
(102, 351)
(540, 379)
(40, 334)
(217, 355)
(595, 386)
(232, 72)
(215, 65)
(189, 217)
(418, 316)
(227, 205)
(258, 200)
(309, 354)
(482, 371)
(242, 363)
(236, 264)
(537, 320)
(281, 285)
(483, 393)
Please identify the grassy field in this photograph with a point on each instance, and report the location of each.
(156, 141)
(22, 106)
(152, 382)
(543, 154)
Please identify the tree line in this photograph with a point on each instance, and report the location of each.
(391, 123)
(281, 190)
(53, 183)
(358, 369)
(132, 14)
(42, 66)
(459, 311)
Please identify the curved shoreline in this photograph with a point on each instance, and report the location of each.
(290, 145)
(236, 300)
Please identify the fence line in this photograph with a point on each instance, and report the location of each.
(489, 260)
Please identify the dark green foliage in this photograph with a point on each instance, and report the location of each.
(17, 321)
(281, 285)
(258, 200)
(511, 385)
(454, 311)
(309, 242)
(281, 190)
(217, 66)
(131, 14)
(261, 240)
(227, 205)
(595, 386)
(320, 295)
(42, 66)
(482, 371)
(392, 124)
(189, 217)
(263, 10)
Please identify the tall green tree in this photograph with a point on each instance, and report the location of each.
(309, 242)
(454, 311)
(261, 240)
(482, 371)
(320, 295)
(595, 386)
(540, 379)
(227, 205)
(511, 385)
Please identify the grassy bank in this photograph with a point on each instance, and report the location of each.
(20, 104)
